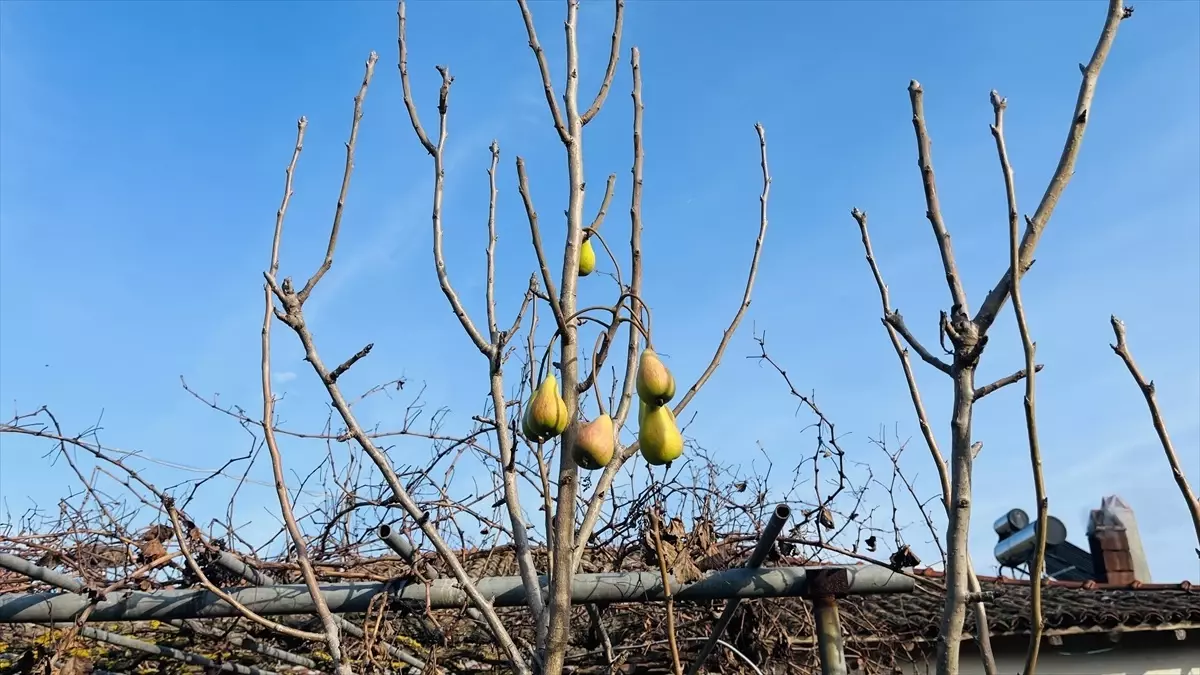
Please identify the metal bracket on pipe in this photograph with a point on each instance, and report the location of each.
(829, 581)
(826, 586)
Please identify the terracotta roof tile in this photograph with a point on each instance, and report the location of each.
(1086, 605)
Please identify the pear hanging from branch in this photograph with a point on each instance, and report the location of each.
(546, 413)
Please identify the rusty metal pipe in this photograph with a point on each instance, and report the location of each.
(831, 647)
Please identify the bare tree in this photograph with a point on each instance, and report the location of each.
(567, 543)
(968, 337)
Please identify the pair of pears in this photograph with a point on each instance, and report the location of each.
(659, 439)
(546, 417)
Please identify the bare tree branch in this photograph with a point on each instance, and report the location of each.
(245, 611)
(614, 57)
(1038, 565)
(939, 462)
(439, 180)
(1121, 349)
(1035, 226)
(933, 206)
(1004, 382)
(559, 125)
(563, 537)
(332, 637)
(536, 235)
(894, 320)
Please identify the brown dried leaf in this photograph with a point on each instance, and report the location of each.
(74, 666)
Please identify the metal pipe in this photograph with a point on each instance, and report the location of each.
(826, 585)
(347, 598)
(404, 548)
(830, 646)
(766, 541)
(53, 578)
(239, 567)
(247, 643)
(169, 652)
(258, 578)
(401, 545)
(46, 575)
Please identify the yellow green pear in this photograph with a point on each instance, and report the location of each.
(563, 418)
(642, 410)
(655, 383)
(526, 430)
(658, 436)
(594, 445)
(587, 258)
(546, 412)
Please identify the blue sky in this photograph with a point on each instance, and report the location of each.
(142, 148)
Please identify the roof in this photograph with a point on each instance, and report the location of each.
(1067, 607)
(883, 628)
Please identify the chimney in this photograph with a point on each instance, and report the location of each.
(1116, 545)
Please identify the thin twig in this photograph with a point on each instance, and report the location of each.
(536, 237)
(676, 663)
(351, 144)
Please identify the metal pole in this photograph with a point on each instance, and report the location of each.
(67, 583)
(239, 567)
(356, 597)
(831, 648)
(401, 545)
(765, 542)
(46, 575)
(169, 652)
(247, 643)
(258, 578)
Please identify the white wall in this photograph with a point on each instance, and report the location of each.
(1181, 660)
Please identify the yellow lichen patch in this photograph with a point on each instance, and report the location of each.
(409, 642)
(47, 638)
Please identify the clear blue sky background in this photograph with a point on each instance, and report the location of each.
(143, 147)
